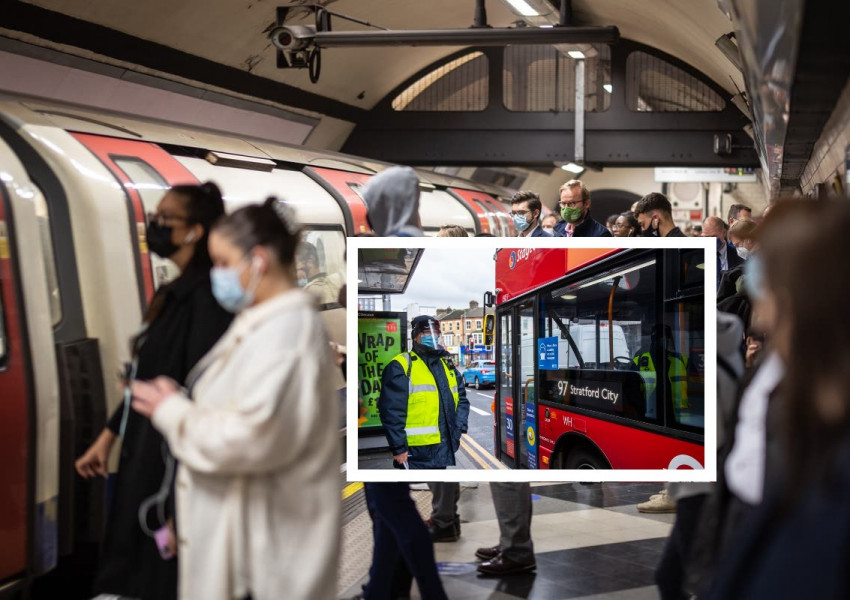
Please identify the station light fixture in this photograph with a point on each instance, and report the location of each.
(573, 168)
(576, 54)
(727, 44)
(523, 8)
(608, 88)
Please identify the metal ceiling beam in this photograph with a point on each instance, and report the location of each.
(296, 37)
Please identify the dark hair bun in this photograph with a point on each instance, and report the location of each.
(271, 224)
(211, 190)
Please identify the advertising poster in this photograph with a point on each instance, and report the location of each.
(381, 336)
(509, 425)
(531, 433)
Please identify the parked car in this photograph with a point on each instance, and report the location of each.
(480, 372)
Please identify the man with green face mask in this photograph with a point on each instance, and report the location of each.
(574, 204)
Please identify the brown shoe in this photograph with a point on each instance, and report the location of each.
(501, 565)
(487, 553)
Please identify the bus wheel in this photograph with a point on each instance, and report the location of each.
(477, 384)
(582, 458)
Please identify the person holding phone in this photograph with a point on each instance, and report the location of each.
(258, 503)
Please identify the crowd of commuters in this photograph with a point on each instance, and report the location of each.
(220, 491)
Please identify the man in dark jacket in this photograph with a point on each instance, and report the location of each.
(424, 411)
(654, 214)
(727, 255)
(526, 209)
(574, 205)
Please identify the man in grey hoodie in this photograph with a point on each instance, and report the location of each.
(392, 197)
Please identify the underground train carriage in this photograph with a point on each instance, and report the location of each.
(76, 273)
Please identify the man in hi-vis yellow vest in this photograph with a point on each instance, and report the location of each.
(424, 411)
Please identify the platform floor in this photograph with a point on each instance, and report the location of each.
(590, 542)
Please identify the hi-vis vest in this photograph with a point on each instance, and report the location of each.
(677, 373)
(423, 401)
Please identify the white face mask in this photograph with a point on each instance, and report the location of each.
(549, 230)
(743, 252)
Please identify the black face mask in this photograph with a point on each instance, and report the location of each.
(649, 232)
(159, 240)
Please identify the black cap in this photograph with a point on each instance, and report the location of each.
(421, 323)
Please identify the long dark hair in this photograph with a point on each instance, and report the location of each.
(271, 224)
(801, 244)
(204, 206)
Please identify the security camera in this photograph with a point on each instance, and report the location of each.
(292, 37)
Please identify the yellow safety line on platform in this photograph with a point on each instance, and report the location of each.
(351, 489)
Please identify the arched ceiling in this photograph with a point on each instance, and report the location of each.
(233, 33)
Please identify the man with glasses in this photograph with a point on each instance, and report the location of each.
(574, 205)
(525, 212)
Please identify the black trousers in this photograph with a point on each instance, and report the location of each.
(670, 572)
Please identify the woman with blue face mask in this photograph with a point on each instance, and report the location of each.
(258, 482)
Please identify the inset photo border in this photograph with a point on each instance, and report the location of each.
(577, 326)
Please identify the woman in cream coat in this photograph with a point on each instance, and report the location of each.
(258, 484)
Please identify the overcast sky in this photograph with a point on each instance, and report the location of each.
(449, 278)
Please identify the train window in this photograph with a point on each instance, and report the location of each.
(320, 262)
(542, 78)
(655, 85)
(459, 85)
(51, 277)
(151, 186)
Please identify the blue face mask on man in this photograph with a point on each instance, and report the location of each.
(520, 222)
(430, 341)
(228, 290)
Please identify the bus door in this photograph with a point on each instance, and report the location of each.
(515, 354)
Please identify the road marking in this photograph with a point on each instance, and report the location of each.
(474, 449)
(472, 453)
(486, 454)
(483, 413)
(351, 489)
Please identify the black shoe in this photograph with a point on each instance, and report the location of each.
(443, 534)
(488, 553)
(457, 526)
(502, 565)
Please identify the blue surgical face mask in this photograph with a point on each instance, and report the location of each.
(754, 278)
(430, 341)
(227, 288)
(520, 222)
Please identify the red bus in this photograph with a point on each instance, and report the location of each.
(579, 336)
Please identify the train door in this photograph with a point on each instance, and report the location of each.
(15, 410)
(485, 219)
(29, 389)
(346, 188)
(145, 171)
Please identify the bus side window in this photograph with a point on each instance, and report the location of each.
(686, 352)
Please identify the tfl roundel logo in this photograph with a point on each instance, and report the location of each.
(512, 260)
